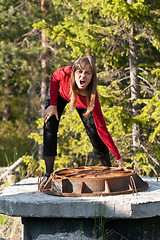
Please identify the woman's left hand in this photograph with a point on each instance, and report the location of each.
(121, 163)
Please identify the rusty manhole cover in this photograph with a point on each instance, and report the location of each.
(93, 181)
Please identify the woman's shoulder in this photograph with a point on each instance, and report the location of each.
(67, 70)
(62, 72)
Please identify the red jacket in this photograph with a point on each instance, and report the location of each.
(60, 80)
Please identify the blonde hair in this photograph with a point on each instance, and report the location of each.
(91, 88)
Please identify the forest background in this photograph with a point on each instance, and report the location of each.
(37, 37)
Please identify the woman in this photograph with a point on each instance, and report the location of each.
(77, 85)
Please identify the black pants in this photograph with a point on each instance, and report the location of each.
(51, 129)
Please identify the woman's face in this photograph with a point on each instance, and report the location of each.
(83, 76)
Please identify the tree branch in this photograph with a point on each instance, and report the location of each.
(121, 79)
(126, 89)
(147, 82)
(152, 158)
(11, 169)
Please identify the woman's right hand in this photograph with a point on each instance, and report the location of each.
(51, 110)
(121, 163)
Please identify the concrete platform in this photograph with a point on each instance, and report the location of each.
(24, 200)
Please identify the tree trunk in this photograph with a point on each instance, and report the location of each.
(6, 109)
(89, 54)
(135, 89)
(44, 69)
(43, 61)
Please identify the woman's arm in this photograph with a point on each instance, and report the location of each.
(54, 87)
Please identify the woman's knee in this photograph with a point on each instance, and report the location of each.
(51, 125)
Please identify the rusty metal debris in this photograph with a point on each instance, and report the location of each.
(93, 181)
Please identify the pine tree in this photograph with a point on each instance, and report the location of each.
(105, 28)
(19, 76)
(111, 29)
